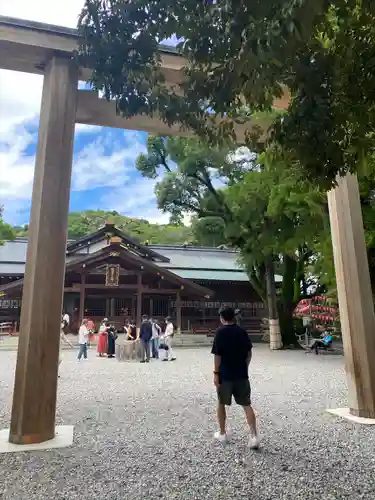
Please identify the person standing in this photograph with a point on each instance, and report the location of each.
(112, 337)
(91, 329)
(65, 339)
(145, 336)
(132, 330)
(83, 335)
(232, 350)
(66, 322)
(156, 331)
(168, 339)
(103, 338)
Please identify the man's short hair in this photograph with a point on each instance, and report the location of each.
(168, 319)
(227, 313)
(145, 317)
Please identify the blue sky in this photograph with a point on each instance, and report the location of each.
(104, 174)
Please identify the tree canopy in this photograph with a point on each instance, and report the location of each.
(262, 206)
(86, 222)
(239, 55)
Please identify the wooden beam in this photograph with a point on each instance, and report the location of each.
(90, 286)
(144, 289)
(355, 294)
(92, 110)
(34, 398)
(33, 44)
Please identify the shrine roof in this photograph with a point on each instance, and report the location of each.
(119, 253)
(100, 236)
(186, 261)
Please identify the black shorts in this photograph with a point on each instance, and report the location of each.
(239, 389)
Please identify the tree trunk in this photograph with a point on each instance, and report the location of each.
(287, 302)
(274, 326)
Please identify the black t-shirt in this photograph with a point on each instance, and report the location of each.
(232, 344)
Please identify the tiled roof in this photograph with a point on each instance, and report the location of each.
(196, 263)
(13, 251)
(215, 275)
(194, 274)
(198, 257)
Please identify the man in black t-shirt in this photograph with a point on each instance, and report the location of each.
(232, 349)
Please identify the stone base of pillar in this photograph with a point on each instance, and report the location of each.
(347, 414)
(275, 335)
(63, 438)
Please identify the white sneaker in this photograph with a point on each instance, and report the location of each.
(254, 442)
(222, 438)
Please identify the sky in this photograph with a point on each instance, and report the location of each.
(104, 174)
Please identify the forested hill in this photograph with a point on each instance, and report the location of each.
(83, 223)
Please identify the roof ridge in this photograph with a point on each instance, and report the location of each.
(193, 247)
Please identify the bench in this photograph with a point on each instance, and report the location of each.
(331, 348)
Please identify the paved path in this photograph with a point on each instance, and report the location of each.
(144, 432)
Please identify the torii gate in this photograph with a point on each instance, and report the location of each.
(47, 50)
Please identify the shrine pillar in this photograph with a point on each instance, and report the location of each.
(354, 294)
(34, 398)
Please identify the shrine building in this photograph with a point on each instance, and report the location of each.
(109, 274)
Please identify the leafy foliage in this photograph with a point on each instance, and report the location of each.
(6, 230)
(239, 55)
(86, 222)
(263, 206)
(193, 180)
(276, 208)
(330, 122)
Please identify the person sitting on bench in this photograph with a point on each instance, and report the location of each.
(323, 343)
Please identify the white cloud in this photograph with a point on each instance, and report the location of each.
(20, 93)
(16, 170)
(20, 98)
(99, 164)
(95, 167)
(135, 199)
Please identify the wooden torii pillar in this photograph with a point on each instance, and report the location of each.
(34, 399)
(355, 295)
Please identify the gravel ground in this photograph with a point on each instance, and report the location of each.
(145, 432)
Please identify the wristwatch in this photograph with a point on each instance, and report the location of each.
(216, 373)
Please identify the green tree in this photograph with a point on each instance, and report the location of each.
(272, 214)
(193, 180)
(86, 222)
(282, 215)
(209, 231)
(323, 265)
(241, 53)
(6, 230)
